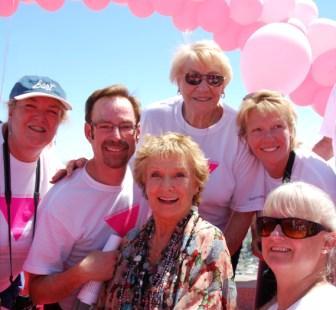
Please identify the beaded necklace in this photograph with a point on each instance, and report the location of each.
(143, 285)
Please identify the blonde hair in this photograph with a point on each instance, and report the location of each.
(302, 200)
(305, 201)
(265, 102)
(167, 145)
(206, 52)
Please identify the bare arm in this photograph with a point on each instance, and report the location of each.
(236, 229)
(256, 240)
(324, 148)
(97, 266)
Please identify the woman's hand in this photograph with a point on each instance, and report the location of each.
(98, 265)
(69, 169)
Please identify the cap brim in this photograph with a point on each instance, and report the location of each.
(65, 103)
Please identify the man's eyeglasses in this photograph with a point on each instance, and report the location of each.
(195, 78)
(292, 227)
(125, 129)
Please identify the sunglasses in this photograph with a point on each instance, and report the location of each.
(196, 78)
(292, 227)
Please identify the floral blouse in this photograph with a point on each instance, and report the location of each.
(198, 277)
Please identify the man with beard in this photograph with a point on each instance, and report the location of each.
(79, 214)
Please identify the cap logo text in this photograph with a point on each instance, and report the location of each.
(44, 85)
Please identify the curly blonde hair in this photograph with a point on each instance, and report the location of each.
(170, 144)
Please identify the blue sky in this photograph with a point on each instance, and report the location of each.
(84, 50)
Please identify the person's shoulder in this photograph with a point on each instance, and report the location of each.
(310, 159)
(320, 297)
(230, 109)
(207, 230)
(50, 159)
(63, 188)
(163, 105)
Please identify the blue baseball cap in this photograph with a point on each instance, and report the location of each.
(35, 86)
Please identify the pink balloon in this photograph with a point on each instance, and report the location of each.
(97, 4)
(8, 7)
(227, 38)
(50, 5)
(245, 12)
(322, 36)
(246, 32)
(320, 100)
(298, 24)
(277, 56)
(186, 18)
(120, 1)
(303, 95)
(213, 15)
(306, 11)
(277, 10)
(324, 68)
(167, 8)
(141, 8)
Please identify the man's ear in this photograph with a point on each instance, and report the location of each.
(88, 130)
(137, 133)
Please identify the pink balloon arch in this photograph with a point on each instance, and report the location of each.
(284, 45)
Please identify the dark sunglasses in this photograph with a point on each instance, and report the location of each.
(195, 78)
(292, 227)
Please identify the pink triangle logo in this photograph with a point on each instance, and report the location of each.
(22, 210)
(124, 221)
(212, 165)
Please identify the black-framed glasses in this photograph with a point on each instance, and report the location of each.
(292, 227)
(125, 129)
(195, 78)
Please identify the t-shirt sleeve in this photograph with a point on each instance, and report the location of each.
(249, 191)
(52, 243)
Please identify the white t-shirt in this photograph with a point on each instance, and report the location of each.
(320, 297)
(309, 168)
(237, 179)
(22, 208)
(328, 128)
(77, 217)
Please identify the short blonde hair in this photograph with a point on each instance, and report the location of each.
(167, 145)
(206, 52)
(305, 201)
(302, 200)
(265, 102)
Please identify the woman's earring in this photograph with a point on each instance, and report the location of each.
(223, 94)
(178, 91)
(324, 251)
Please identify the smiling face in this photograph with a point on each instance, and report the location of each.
(268, 137)
(33, 122)
(202, 97)
(170, 186)
(299, 258)
(111, 147)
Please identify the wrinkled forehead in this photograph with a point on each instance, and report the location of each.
(40, 102)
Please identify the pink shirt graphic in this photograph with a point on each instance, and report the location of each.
(77, 216)
(22, 209)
